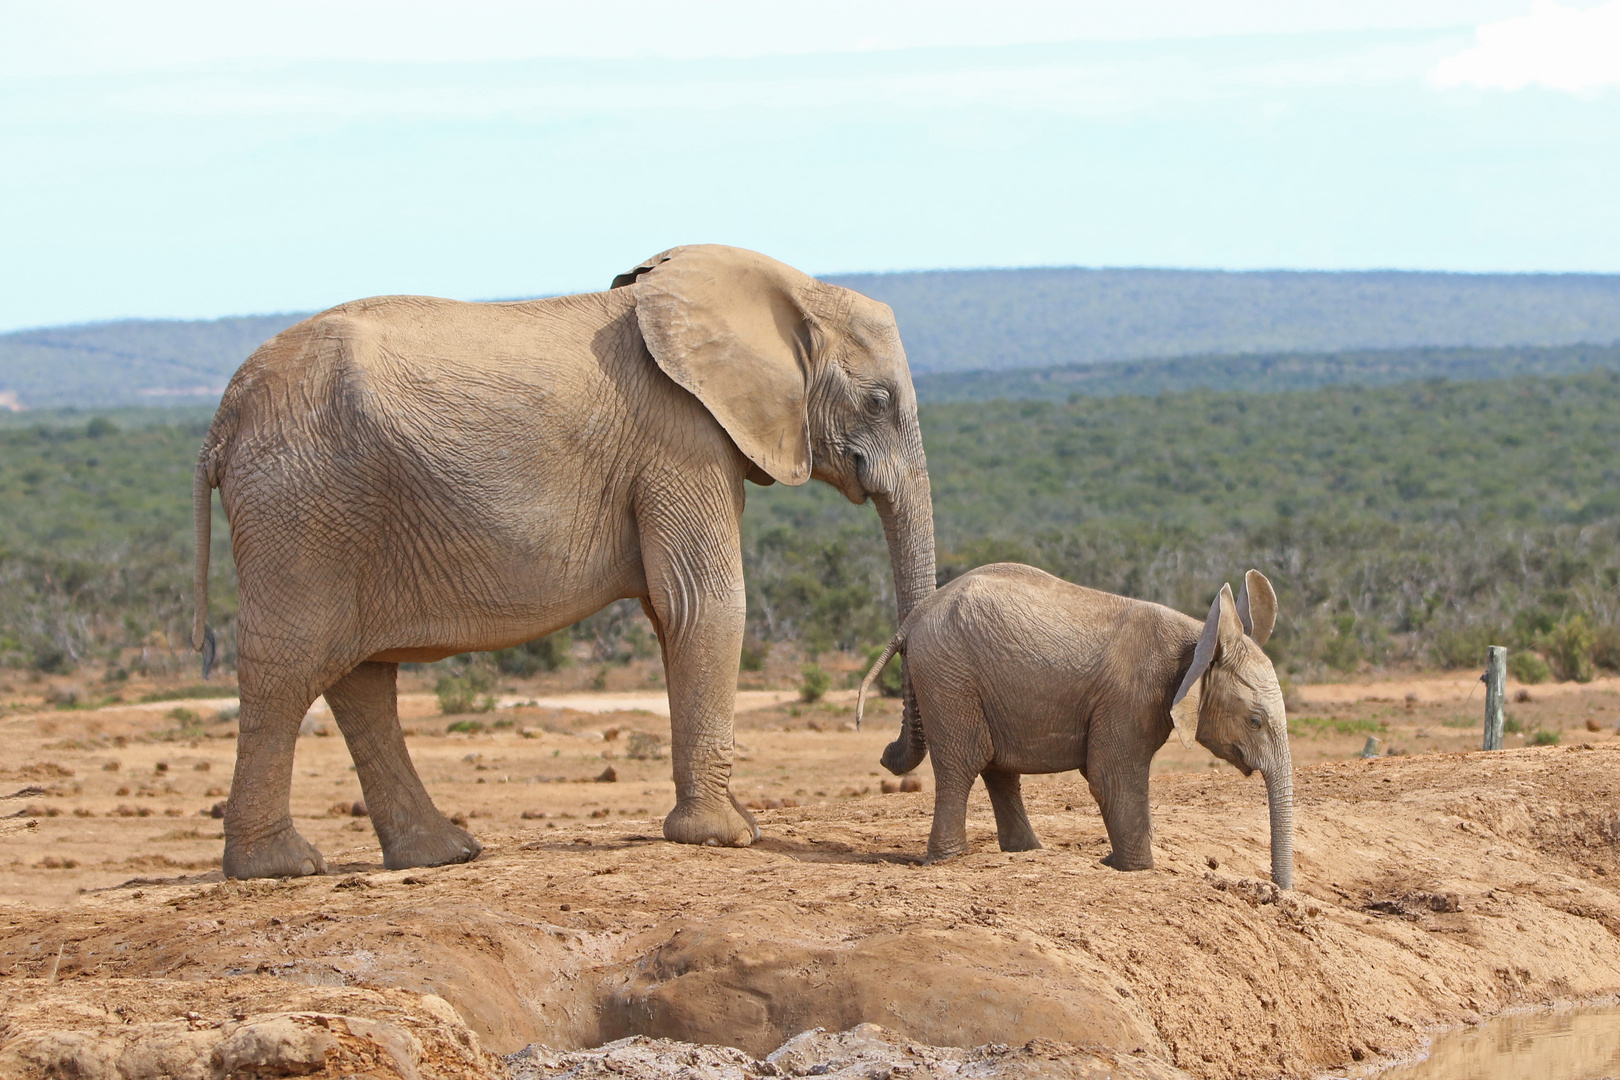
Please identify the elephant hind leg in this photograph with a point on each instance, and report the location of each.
(410, 828)
(1013, 830)
(260, 840)
(960, 745)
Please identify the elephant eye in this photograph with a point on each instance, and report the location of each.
(877, 402)
(1256, 723)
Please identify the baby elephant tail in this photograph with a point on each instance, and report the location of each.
(895, 644)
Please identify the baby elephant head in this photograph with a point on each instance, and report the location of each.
(1231, 702)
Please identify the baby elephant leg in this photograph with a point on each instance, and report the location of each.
(960, 747)
(1120, 787)
(1013, 830)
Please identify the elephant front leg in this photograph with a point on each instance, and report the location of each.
(409, 827)
(1121, 791)
(1013, 830)
(700, 632)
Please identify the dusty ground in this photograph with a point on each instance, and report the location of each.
(1435, 887)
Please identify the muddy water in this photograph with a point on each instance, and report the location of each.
(1572, 1044)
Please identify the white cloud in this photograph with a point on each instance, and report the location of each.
(1565, 48)
(79, 37)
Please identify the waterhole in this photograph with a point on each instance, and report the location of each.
(1572, 1044)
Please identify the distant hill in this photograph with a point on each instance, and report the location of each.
(1264, 373)
(966, 320)
(130, 362)
(975, 320)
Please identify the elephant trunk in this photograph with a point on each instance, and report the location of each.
(1280, 795)
(908, 524)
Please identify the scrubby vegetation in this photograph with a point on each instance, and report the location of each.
(1406, 524)
(1265, 373)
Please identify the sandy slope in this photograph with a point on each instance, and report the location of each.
(1435, 888)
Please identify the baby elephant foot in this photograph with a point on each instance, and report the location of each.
(716, 824)
(429, 841)
(282, 854)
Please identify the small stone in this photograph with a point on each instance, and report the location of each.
(217, 810)
(358, 809)
(608, 776)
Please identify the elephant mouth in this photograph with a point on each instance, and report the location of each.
(1233, 753)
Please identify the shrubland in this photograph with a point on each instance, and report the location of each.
(1402, 525)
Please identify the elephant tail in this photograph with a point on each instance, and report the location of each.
(895, 644)
(202, 511)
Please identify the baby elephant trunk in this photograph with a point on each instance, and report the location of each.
(1280, 794)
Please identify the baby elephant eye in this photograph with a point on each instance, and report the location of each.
(1256, 722)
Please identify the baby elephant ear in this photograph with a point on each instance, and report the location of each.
(727, 325)
(1184, 707)
(1257, 606)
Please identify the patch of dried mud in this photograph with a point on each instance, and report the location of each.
(161, 1029)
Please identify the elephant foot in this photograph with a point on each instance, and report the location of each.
(1120, 862)
(433, 842)
(718, 825)
(945, 852)
(283, 854)
(1021, 843)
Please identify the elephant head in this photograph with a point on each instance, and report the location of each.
(808, 379)
(1230, 701)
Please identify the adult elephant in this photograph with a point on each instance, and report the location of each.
(409, 478)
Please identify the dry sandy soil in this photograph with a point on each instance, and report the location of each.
(1436, 887)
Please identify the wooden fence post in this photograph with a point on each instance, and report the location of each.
(1495, 695)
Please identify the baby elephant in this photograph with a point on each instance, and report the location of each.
(1017, 671)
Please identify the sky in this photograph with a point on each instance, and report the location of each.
(169, 159)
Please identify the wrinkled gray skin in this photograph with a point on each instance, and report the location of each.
(1019, 672)
(409, 478)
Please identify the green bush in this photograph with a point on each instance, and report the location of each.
(468, 692)
(1464, 646)
(1546, 737)
(1569, 648)
(1606, 646)
(815, 682)
(1511, 724)
(542, 654)
(754, 654)
(1528, 667)
(467, 727)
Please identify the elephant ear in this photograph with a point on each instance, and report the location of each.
(1184, 707)
(727, 325)
(1257, 606)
